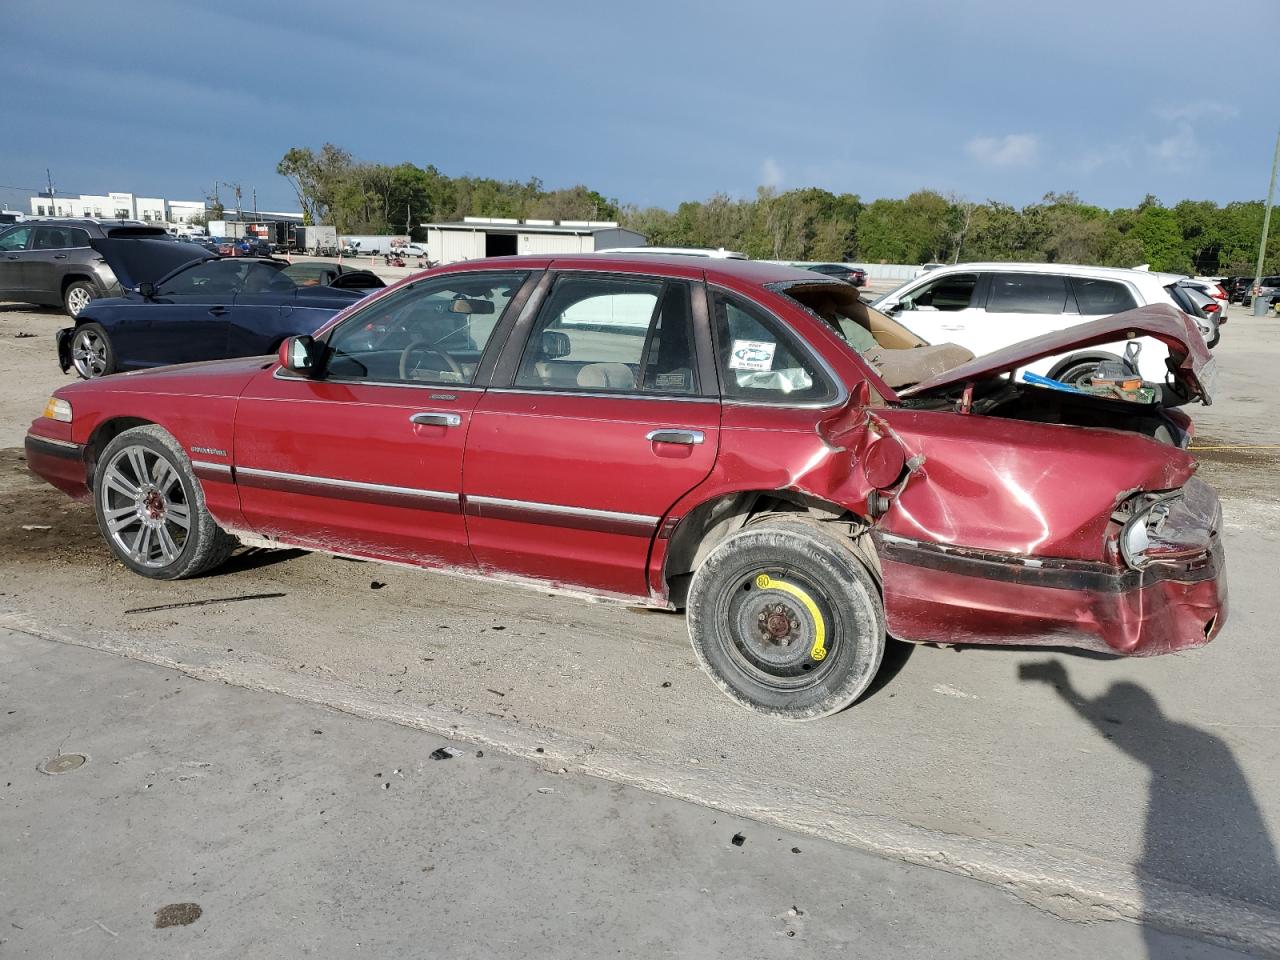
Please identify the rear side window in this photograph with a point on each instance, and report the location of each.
(952, 292)
(1027, 293)
(59, 238)
(612, 335)
(759, 361)
(1101, 298)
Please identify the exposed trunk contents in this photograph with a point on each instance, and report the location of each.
(1020, 401)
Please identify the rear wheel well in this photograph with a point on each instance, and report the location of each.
(102, 435)
(707, 525)
(71, 278)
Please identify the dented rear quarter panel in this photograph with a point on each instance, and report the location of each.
(1028, 489)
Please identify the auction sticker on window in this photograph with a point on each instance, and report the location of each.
(752, 355)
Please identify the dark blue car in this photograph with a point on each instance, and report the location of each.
(182, 304)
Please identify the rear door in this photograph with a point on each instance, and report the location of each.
(51, 253)
(603, 413)
(1020, 306)
(13, 262)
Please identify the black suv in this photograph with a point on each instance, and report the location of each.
(50, 261)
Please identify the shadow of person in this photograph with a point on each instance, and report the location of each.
(1203, 828)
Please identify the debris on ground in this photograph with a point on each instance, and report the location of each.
(205, 603)
(546, 789)
(496, 693)
(739, 839)
(376, 585)
(795, 849)
(36, 526)
(445, 753)
(177, 915)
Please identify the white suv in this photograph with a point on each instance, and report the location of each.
(985, 306)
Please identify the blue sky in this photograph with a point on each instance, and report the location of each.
(651, 102)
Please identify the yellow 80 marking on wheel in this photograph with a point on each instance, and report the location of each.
(818, 652)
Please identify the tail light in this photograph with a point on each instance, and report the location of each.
(1171, 527)
(1222, 293)
(1212, 307)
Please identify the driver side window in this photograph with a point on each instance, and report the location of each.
(220, 278)
(952, 292)
(434, 331)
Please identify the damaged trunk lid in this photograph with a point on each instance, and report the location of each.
(1190, 364)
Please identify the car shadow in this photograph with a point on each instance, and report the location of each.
(1203, 827)
(895, 657)
(254, 558)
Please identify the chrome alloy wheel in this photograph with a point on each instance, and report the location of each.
(144, 507)
(77, 299)
(89, 353)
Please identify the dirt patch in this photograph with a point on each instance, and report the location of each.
(177, 915)
(40, 523)
(1239, 469)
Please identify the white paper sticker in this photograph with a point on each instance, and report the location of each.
(752, 355)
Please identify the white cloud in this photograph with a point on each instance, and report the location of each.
(1011, 150)
(771, 173)
(1197, 110)
(1180, 150)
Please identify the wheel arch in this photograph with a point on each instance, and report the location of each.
(103, 434)
(69, 278)
(713, 521)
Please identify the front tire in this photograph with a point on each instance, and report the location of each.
(787, 620)
(92, 354)
(77, 296)
(151, 509)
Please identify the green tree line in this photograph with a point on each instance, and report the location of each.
(810, 224)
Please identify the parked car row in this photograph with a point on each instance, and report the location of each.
(751, 443)
(52, 261)
(178, 303)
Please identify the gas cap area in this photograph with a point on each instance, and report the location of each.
(883, 462)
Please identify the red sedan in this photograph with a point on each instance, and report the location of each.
(745, 441)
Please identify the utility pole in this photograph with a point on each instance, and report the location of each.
(408, 221)
(255, 203)
(1266, 218)
(49, 179)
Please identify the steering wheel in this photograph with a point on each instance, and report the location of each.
(424, 347)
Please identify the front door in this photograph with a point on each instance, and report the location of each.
(366, 460)
(13, 263)
(604, 424)
(187, 318)
(943, 309)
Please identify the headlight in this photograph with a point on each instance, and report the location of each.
(1171, 527)
(58, 409)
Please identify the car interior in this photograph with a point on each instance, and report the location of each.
(898, 355)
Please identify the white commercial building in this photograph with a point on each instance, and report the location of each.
(119, 206)
(478, 237)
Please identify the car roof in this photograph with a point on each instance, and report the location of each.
(757, 272)
(1067, 269)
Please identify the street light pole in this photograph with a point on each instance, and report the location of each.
(1266, 218)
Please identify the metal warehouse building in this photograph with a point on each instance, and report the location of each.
(477, 237)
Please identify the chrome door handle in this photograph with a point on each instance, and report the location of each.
(436, 419)
(947, 326)
(59, 256)
(687, 437)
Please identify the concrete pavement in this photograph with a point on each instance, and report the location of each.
(301, 831)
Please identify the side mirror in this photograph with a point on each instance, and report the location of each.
(300, 355)
(146, 289)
